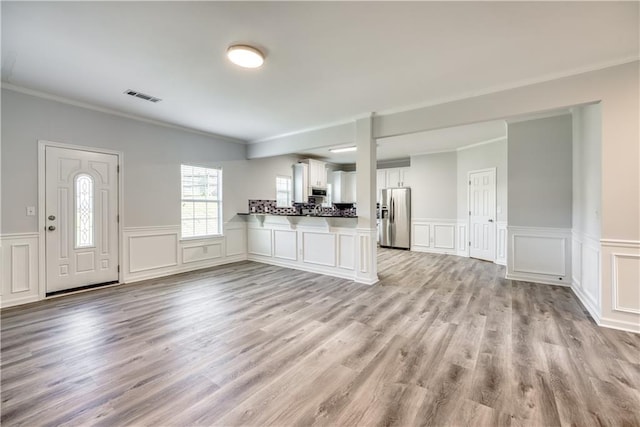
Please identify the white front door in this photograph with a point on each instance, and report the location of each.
(482, 214)
(81, 218)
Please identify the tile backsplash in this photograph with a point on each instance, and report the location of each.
(270, 207)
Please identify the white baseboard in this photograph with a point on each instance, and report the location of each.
(536, 279)
(438, 251)
(620, 325)
(18, 301)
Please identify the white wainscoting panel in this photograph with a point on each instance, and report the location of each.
(620, 284)
(444, 236)
(319, 248)
(590, 276)
(625, 274)
(585, 272)
(259, 241)
(501, 243)
(346, 251)
(151, 252)
(366, 255)
(236, 239)
(539, 254)
(285, 244)
(437, 236)
(194, 252)
(19, 267)
(462, 238)
(421, 234)
(576, 261)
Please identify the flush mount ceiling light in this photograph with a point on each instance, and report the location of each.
(343, 149)
(245, 56)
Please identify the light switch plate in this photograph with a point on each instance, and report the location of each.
(31, 211)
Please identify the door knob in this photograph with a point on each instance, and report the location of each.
(52, 217)
(490, 220)
(52, 227)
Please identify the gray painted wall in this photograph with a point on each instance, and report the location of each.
(493, 155)
(434, 186)
(587, 169)
(152, 157)
(540, 172)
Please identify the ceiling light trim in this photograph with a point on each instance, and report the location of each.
(245, 56)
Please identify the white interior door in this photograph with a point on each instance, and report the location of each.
(81, 218)
(482, 214)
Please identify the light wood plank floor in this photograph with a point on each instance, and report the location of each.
(441, 340)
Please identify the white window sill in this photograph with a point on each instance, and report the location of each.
(210, 236)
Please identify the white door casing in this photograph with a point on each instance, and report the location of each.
(482, 214)
(81, 218)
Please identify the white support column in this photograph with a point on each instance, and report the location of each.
(366, 263)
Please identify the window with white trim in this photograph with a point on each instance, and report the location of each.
(284, 191)
(201, 205)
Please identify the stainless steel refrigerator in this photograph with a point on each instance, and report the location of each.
(395, 218)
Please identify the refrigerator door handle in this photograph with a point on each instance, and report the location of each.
(392, 213)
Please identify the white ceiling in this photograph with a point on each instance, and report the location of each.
(326, 62)
(435, 141)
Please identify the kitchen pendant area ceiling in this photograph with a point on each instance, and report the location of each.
(328, 62)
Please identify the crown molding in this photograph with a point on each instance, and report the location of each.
(88, 106)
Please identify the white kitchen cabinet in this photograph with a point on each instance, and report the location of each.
(397, 177)
(405, 177)
(317, 174)
(392, 177)
(344, 187)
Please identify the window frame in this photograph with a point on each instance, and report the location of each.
(289, 191)
(218, 202)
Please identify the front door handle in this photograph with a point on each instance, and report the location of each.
(490, 220)
(52, 217)
(51, 227)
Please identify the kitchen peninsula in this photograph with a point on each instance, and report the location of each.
(323, 241)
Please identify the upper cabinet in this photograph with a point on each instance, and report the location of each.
(344, 187)
(317, 174)
(392, 177)
(397, 177)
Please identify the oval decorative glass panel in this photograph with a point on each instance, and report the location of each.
(84, 211)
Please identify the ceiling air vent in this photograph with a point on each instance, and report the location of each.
(142, 96)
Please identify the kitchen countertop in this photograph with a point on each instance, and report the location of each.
(296, 215)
